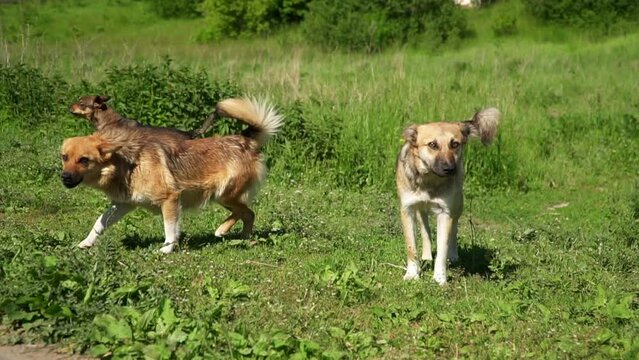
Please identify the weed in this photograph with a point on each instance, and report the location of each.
(347, 283)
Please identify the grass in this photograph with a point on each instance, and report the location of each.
(548, 239)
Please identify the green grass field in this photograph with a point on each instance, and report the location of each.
(548, 240)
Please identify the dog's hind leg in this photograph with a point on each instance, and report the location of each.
(171, 216)
(114, 213)
(427, 253)
(453, 254)
(239, 211)
(408, 225)
(444, 230)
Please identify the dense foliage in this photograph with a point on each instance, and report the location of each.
(176, 8)
(166, 95)
(585, 13)
(244, 17)
(27, 96)
(374, 25)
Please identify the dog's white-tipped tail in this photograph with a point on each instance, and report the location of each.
(262, 118)
(485, 123)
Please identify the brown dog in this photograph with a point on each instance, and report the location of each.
(95, 109)
(430, 176)
(135, 168)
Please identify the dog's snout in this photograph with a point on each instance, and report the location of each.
(68, 180)
(449, 169)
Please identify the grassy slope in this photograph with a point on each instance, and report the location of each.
(533, 279)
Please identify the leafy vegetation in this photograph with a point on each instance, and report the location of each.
(375, 25)
(548, 239)
(585, 13)
(176, 8)
(249, 17)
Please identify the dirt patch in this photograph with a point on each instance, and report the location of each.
(35, 352)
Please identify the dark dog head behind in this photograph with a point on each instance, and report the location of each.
(87, 106)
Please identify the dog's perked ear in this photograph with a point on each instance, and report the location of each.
(410, 135)
(107, 149)
(100, 102)
(483, 125)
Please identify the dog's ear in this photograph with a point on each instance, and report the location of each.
(483, 125)
(100, 102)
(107, 149)
(410, 135)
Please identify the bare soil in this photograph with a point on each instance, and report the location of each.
(35, 352)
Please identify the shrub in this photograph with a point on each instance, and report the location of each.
(236, 18)
(374, 25)
(176, 8)
(505, 25)
(166, 95)
(584, 13)
(27, 96)
(302, 142)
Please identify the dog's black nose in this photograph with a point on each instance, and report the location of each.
(67, 179)
(449, 169)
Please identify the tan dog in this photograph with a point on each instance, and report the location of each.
(136, 168)
(430, 176)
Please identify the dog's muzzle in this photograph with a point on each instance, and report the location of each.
(445, 170)
(68, 181)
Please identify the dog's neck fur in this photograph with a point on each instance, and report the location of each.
(103, 119)
(113, 178)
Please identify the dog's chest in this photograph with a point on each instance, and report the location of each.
(424, 199)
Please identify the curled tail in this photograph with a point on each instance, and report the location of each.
(484, 124)
(259, 115)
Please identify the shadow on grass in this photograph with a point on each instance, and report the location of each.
(199, 241)
(478, 260)
(475, 260)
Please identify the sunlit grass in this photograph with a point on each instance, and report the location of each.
(548, 237)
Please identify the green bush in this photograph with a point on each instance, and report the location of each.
(28, 97)
(236, 18)
(584, 13)
(505, 25)
(176, 8)
(166, 95)
(373, 25)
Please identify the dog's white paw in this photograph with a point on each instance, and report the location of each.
(440, 278)
(412, 272)
(427, 257)
(220, 233)
(85, 244)
(167, 249)
(411, 276)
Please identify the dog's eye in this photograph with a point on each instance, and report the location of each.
(454, 144)
(83, 160)
(433, 145)
(65, 157)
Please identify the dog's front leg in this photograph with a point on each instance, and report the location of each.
(171, 216)
(453, 254)
(427, 253)
(114, 213)
(444, 227)
(408, 225)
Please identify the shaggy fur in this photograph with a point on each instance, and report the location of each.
(138, 168)
(430, 176)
